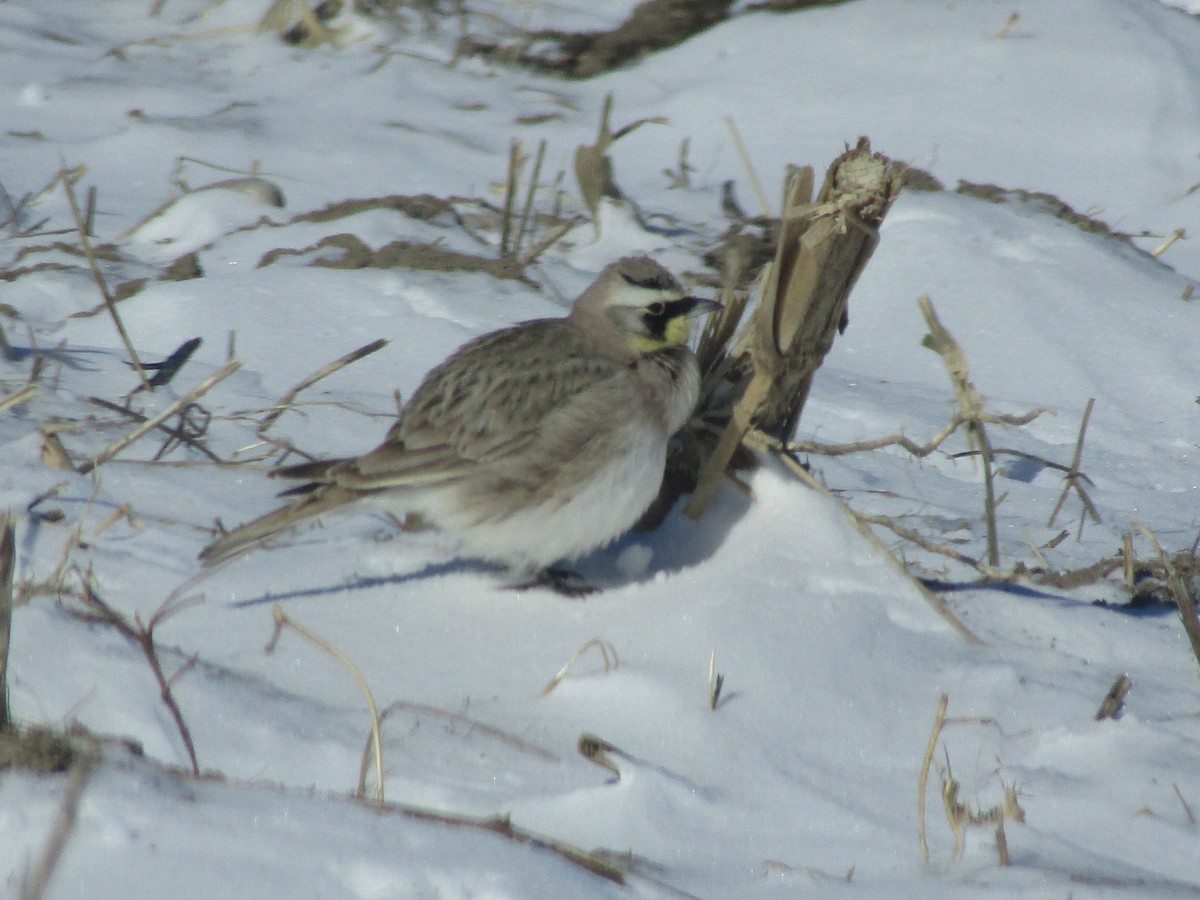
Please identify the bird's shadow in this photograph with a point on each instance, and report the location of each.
(431, 570)
(679, 543)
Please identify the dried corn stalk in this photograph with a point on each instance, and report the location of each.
(824, 245)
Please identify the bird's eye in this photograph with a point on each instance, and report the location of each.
(656, 309)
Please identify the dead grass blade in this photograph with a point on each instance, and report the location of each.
(109, 303)
(154, 421)
(285, 402)
(607, 651)
(8, 560)
(17, 397)
(516, 162)
(922, 783)
(282, 621)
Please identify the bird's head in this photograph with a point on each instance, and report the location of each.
(643, 303)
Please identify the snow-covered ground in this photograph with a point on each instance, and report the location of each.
(805, 776)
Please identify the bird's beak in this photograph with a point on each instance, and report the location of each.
(698, 306)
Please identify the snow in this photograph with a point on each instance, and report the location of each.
(805, 775)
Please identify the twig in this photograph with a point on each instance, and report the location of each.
(34, 887)
(154, 421)
(178, 433)
(8, 557)
(922, 783)
(282, 621)
(325, 371)
(1074, 476)
(596, 863)
(142, 634)
(606, 649)
(970, 404)
(919, 450)
(1183, 597)
(109, 303)
(915, 537)
(20, 395)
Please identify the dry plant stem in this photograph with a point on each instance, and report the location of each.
(607, 650)
(970, 404)
(923, 782)
(8, 559)
(154, 421)
(748, 164)
(502, 826)
(938, 604)
(1171, 239)
(472, 725)
(285, 402)
(1002, 845)
(731, 438)
(824, 244)
(142, 634)
(1114, 700)
(515, 163)
(282, 621)
(1187, 809)
(1179, 590)
(530, 196)
(20, 395)
(915, 537)
(172, 432)
(1074, 476)
(555, 233)
(35, 885)
(716, 681)
(109, 303)
(907, 444)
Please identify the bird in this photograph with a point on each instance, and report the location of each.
(535, 444)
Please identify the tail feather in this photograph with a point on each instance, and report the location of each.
(318, 470)
(321, 499)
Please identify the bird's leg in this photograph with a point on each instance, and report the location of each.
(558, 579)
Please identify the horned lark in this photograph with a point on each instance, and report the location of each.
(535, 444)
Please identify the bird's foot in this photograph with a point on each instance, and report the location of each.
(558, 579)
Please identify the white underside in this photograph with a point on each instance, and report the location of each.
(599, 513)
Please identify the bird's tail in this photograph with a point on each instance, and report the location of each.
(318, 499)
